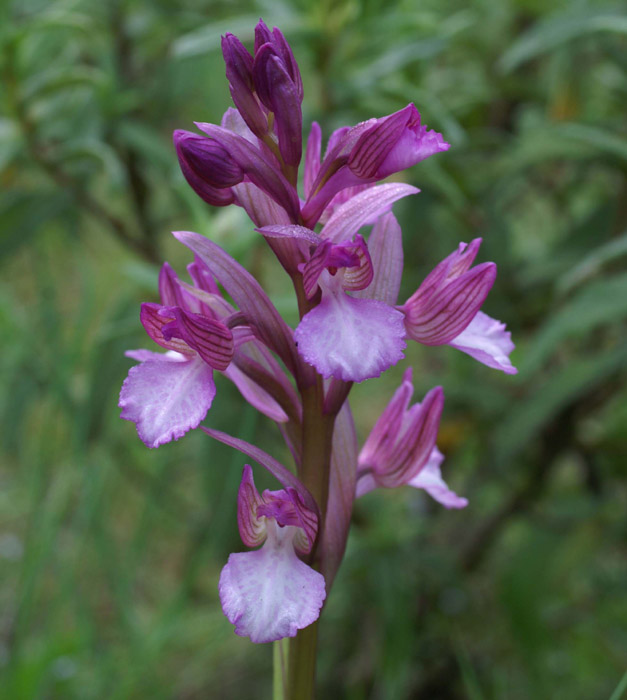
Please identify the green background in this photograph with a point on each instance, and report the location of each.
(110, 553)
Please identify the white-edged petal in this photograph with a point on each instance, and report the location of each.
(430, 479)
(487, 341)
(270, 593)
(167, 397)
(351, 339)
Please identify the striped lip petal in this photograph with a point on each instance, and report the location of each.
(247, 293)
(251, 524)
(280, 472)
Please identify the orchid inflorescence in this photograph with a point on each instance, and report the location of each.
(351, 329)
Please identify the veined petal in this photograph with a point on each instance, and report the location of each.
(430, 479)
(385, 431)
(154, 318)
(363, 208)
(447, 313)
(487, 341)
(211, 339)
(282, 473)
(385, 246)
(270, 594)
(255, 395)
(312, 157)
(351, 339)
(166, 398)
(252, 527)
(247, 294)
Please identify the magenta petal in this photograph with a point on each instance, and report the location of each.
(430, 479)
(255, 395)
(166, 398)
(270, 594)
(351, 339)
(385, 246)
(312, 157)
(415, 144)
(450, 309)
(247, 294)
(364, 208)
(282, 473)
(341, 494)
(487, 341)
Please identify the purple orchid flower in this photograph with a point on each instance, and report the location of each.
(345, 337)
(270, 593)
(401, 449)
(365, 153)
(168, 394)
(445, 310)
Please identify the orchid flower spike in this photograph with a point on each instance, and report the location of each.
(401, 448)
(270, 593)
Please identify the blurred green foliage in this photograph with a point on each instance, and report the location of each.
(110, 553)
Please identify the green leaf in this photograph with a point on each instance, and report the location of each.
(558, 30)
(602, 301)
(592, 264)
(24, 213)
(527, 417)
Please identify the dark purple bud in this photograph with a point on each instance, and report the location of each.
(284, 52)
(278, 92)
(257, 167)
(239, 72)
(262, 35)
(207, 167)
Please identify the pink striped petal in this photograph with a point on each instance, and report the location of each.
(351, 339)
(312, 157)
(430, 479)
(212, 340)
(363, 208)
(385, 246)
(247, 294)
(450, 309)
(166, 398)
(255, 395)
(282, 473)
(155, 318)
(270, 593)
(252, 527)
(487, 341)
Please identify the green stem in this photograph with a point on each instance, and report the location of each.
(302, 664)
